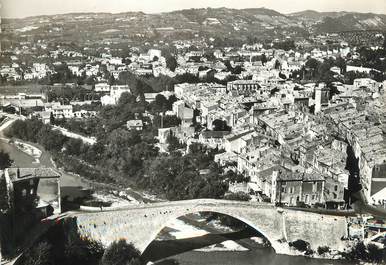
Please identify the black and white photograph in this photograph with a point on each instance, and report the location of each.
(206, 132)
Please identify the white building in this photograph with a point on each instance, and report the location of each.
(62, 111)
(115, 94)
(102, 87)
(366, 82)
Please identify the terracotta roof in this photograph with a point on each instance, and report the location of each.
(18, 174)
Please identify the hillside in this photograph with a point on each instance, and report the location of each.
(232, 24)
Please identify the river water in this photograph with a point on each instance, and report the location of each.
(262, 256)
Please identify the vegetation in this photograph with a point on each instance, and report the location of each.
(285, 45)
(368, 253)
(323, 250)
(301, 246)
(37, 255)
(174, 143)
(239, 196)
(5, 160)
(220, 125)
(121, 253)
(131, 157)
(83, 251)
(57, 248)
(180, 176)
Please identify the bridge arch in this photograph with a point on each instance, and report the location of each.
(172, 218)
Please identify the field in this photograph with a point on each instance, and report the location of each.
(30, 89)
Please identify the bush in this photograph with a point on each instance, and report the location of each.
(238, 196)
(37, 255)
(5, 160)
(323, 250)
(121, 253)
(85, 252)
(368, 253)
(300, 245)
(375, 254)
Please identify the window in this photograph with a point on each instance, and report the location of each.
(336, 188)
(313, 197)
(32, 192)
(24, 192)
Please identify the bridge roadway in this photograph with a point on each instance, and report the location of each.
(141, 224)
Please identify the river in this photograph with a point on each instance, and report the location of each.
(261, 256)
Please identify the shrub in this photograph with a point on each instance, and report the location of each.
(84, 252)
(300, 245)
(121, 253)
(239, 196)
(375, 254)
(323, 250)
(368, 253)
(37, 255)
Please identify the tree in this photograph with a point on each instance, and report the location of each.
(171, 63)
(341, 63)
(277, 64)
(37, 255)
(121, 253)
(264, 59)
(52, 118)
(73, 146)
(83, 251)
(239, 196)
(173, 143)
(51, 140)
(220, 125)
(160, 104)
(5, 160)
(166, 121)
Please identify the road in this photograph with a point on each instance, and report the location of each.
(86, 140)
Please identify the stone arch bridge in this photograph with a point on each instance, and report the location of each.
(141, 224)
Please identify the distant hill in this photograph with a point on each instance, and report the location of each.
(352, 21)
(315, 15)
(227, 23)
(228, 16)
(341, 21)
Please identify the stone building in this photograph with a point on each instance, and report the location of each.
(27, 190)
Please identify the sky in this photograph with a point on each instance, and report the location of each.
(24, 8)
